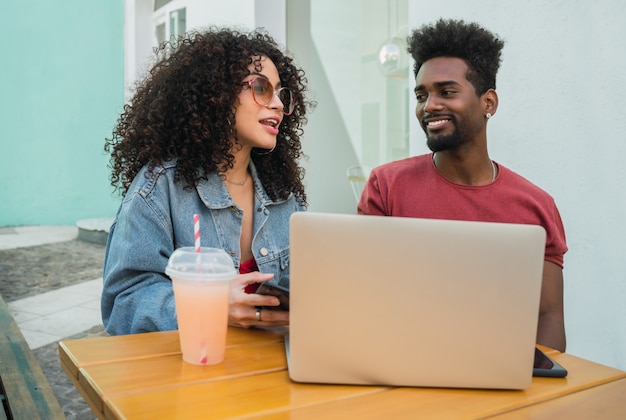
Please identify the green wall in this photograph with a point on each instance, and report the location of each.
(61, 90)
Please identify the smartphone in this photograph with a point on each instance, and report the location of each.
(545, 366)
(273, 290)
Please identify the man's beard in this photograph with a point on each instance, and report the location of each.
(440, 143)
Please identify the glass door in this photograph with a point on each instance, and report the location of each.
(358, 69)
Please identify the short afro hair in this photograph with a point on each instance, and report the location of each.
(478, 47)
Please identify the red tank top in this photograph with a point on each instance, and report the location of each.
(248, 267)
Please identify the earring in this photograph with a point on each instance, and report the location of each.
(488, 115)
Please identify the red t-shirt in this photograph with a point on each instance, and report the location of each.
(413, 187)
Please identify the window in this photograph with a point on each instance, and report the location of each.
(169, 21)
(160, 3)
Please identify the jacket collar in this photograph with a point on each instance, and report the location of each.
(215, 195)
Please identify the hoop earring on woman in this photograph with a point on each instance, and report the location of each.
(488, 115)
(231, 128)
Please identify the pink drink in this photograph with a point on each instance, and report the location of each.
(201, 282)
(202, 309)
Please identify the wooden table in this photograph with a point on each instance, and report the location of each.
(143, 376)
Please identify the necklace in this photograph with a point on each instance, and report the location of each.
(493, 171)
(240, 183)
(493, 168)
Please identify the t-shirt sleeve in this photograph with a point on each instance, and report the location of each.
(372, 200)
(556, 245)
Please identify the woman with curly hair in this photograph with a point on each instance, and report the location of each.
(213, 130)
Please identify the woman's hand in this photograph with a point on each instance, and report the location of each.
(242, 310)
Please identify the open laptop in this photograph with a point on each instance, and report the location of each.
(413, 302)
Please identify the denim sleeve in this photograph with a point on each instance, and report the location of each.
(137, 294)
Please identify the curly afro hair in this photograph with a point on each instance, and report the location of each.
(184, 110)
(480, 49)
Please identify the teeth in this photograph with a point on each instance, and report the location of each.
(435, 123)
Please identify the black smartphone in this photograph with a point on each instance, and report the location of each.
(545, 366)
(273, 290)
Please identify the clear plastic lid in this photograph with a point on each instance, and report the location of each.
(209, 264)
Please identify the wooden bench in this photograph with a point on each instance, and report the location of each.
(24, 390)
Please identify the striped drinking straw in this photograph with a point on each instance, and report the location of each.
(196, 237)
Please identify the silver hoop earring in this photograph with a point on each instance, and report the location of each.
(488, 115)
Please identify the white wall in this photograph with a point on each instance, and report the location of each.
(561, 123)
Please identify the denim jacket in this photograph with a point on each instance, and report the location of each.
(155, 218)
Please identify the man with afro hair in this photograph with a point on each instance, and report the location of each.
(455, 80)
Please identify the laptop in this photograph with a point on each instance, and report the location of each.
(413, 302)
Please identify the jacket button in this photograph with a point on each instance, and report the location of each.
(264, 252)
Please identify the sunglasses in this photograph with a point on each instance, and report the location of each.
(263, 93)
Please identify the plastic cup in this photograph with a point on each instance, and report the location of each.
(201, 282)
